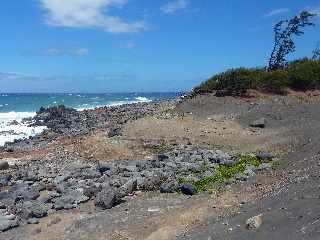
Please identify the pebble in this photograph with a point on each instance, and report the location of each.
(33, 221)
(260, 123)
(153, 209)
(254, 222)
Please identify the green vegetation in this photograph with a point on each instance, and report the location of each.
(316, 52)
(284, 31)
(301, 74)
(280, 75)
(224, 173)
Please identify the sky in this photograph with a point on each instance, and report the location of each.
(137, 45)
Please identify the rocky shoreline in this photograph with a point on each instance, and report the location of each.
(63, 121)
(34, 189)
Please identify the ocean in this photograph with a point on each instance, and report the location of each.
(14, 107)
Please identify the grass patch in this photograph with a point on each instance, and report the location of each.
(227, 172)
(223, 173)
(303, 74)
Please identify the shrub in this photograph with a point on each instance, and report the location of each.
(234, 81)
(304, 75)
(275, 82)
(300, 74)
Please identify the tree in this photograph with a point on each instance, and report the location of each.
(316, 53)
(284, 31)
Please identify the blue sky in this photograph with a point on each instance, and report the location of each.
(136, 45)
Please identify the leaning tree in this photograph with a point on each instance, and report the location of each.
(284, 31)
(316, 53)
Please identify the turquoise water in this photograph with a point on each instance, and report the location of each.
(32, 102)
(19, 106)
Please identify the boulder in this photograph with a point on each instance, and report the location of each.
(34, 209)
(103, 167)
(6, 224)
(47, 196)
(24, 193)
(4, 165)
(91, 191)
(170, 186)
(64, 202)
(264, 156)
(249, 171)
(4, 180)
(265, 167)
(107, 199)
(260, 123)
(70, 199)
(218, 157)
(188, 189)
(163, 157)
(128, 188)
(151, 183)
(6, 199)
(241, 177)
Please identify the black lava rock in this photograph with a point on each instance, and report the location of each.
(188, 189)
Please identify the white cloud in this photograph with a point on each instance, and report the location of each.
(53, 51)
(276, 12)
(11, 76)
(129, 45)
(175, 6)
(65, 52)
(89, 14)
(81, 51)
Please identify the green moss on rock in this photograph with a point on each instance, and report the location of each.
(224, 173)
